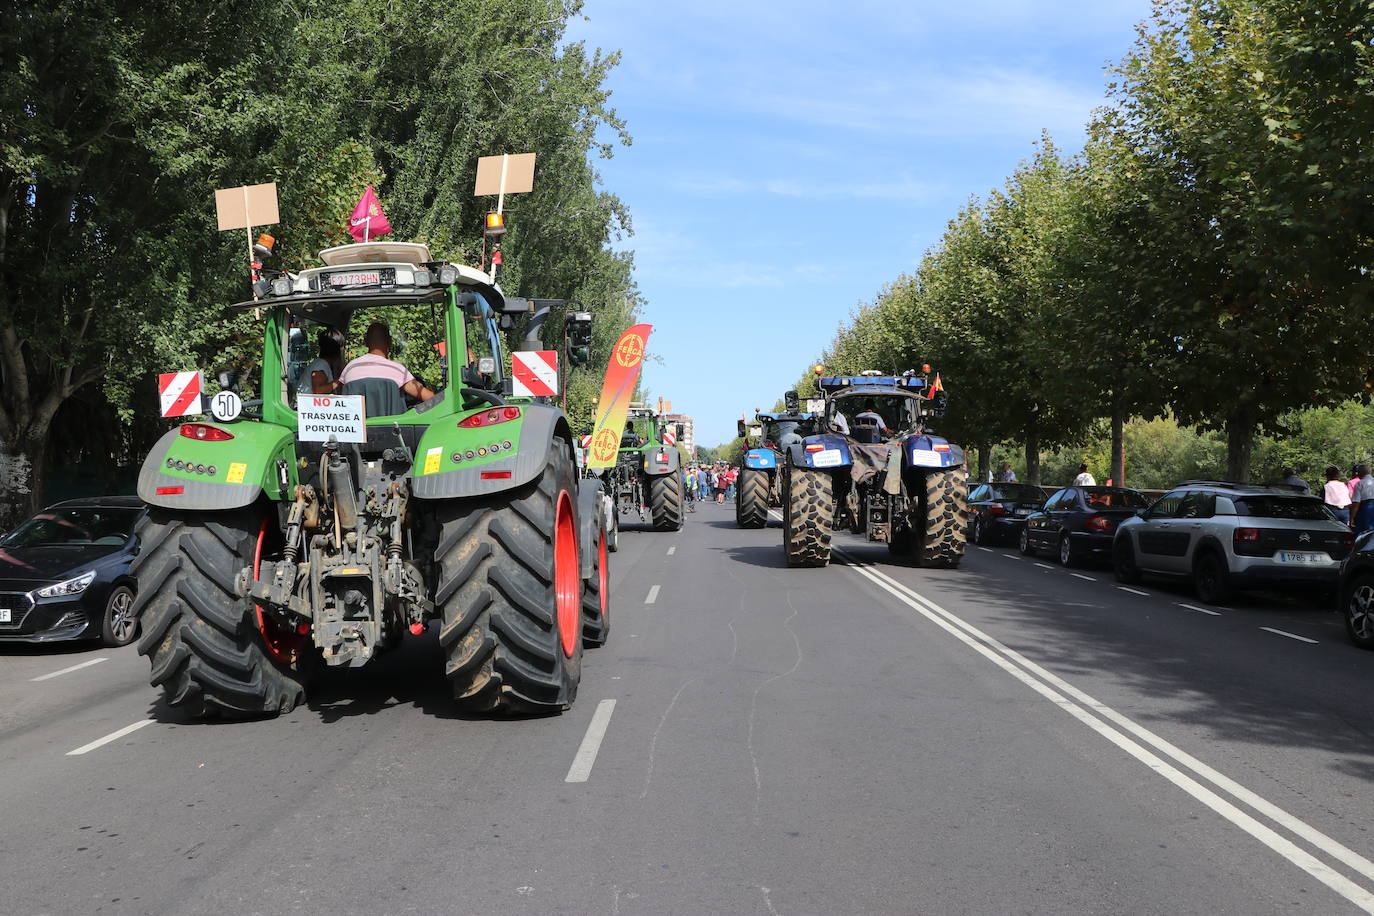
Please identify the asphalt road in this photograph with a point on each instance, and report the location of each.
(1010, 737)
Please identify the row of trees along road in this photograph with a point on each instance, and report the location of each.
(118, 121)
(1206, 255)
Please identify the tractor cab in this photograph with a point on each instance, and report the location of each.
(872, 409)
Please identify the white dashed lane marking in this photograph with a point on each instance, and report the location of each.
(986, 549)
(1200, 610)
(591, 743)
(1289, 635)
(653, 595)
(1044, 566)
(1133, 591)
(1083, 577)
(112, 736)
(53, 674)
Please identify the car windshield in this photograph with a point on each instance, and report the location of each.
(1019, 492)
(1303, 508)
(79, 526)
(1115, 499)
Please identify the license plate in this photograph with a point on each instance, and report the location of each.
(5, 615)
(369, 278)
(1300, 558)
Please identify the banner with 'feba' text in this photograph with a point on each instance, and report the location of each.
(616, 393)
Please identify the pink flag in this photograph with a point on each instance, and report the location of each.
(368, 221)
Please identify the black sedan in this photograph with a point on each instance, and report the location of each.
(1080, 522)
(997, 511)
(1357, 592)
(64, 574)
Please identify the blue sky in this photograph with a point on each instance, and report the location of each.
(790, 159)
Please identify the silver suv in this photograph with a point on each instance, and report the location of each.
(1226, 536)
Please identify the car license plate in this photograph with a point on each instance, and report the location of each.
(369, 278)
(5, 615)
(1299, 558)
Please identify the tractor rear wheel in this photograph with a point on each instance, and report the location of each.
(510, 588)
(211, 652)
(665, 501)
(596, 593)
(751, 498)
(808, 511)
(944, 512)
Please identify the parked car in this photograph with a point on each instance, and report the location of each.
(1226, 536)
(997, 511)
(1078, 523)
(1357, 592)
(64, 573)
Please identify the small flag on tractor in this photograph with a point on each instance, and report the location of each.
(616, 392)
(935, 386)
(367, 220)
(179, 393)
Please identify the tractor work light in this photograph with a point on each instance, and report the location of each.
(495, 225)
(420, 277)
(281, 286)
(448, 276)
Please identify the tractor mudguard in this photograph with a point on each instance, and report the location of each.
(654, 467)
(588, 521)
(833, 452)
(479, 469)
(763, 458)
(218, 474)
(932, 452)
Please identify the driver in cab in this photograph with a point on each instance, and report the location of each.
(375, 363)
(870, 412)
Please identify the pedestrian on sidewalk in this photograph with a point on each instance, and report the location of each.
(1362, 503)
(1006, 475)
(1084, 479)
(1336, 494)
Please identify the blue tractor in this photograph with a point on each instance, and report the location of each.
(875, 468)
(759, 487)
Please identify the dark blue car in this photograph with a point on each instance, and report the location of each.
(64, 573)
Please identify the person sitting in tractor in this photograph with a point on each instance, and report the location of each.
(376, 364)
(630, 438)
(322, 375)
(870, 412)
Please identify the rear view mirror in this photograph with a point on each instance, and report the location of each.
(229, 379)
(681, 430)
(739, 425)
(791, 400)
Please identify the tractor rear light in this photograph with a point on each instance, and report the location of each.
(997, 509)
(941, 447)
(1247, 535)
(205, 433)
(815, 448)
(170, 491)
(496, 475)
(490, 417)
(1099, 523)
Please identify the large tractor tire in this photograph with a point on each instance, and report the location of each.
(665, 501)
(212, 652)
(808, 516)
(751, 498)
(944, 511)
(510, 589)
(596, 594)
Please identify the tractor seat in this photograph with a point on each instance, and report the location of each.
(381, 397)
(865, 430)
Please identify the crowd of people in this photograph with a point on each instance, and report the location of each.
(702, 482)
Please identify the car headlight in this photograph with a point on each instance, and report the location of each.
(73, 586)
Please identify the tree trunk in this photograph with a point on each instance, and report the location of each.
(984, 461)
(22, 468)
(1118, 448)
(1240, 443)
(1033, 456)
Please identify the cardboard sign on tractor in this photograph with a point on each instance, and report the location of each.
(343, 416)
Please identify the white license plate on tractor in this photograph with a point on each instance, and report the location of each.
(370, 278)
(5, 615)
(1301, 558)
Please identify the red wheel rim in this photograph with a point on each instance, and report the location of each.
(567, 583)
(281, 643)
(601, 575)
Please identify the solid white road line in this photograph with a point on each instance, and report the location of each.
(1063, 695)
(1201, 610)
(1289, 635)
(672, 550)
(653, 595)
(112, 736)
(53, 674)
(1133, 591)
(591, 743)
(1083, 577)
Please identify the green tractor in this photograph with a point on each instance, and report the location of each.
(302, 530)
(646, 480)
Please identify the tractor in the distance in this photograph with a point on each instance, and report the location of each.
(759, 487)
(874, 468)
(646, 481)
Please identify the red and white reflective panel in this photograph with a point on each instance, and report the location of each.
(179, 393)
(535, 372)
(586, 441)
(669, 438)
